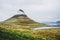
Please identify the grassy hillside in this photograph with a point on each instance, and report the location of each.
(19, 27)
(25, 34)
(9, 32)
(22, 20)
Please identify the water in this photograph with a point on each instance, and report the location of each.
(38, 28)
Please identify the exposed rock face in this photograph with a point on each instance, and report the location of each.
(21, 12)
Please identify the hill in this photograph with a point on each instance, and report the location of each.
(21, 20)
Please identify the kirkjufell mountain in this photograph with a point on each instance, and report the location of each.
(22, 19)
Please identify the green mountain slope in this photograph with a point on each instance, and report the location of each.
(22, 20)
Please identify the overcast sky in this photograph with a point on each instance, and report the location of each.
(38, 10)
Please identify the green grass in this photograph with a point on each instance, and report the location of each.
(25, 34)
(22, 26)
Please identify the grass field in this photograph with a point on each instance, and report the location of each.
(17, 33)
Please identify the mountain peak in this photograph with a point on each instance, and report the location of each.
(19, 18)
(20, 12)
(22, 19)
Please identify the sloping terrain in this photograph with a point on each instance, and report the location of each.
(25, 34)
(22, 20)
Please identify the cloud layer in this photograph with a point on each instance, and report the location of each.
(38, 10)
